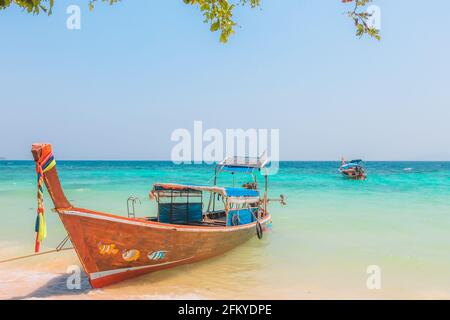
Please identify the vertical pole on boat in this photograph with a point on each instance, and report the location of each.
(211, 196)
(187, 206)
(266, 191)
(227, 209)
(171, 206)
(214, 194)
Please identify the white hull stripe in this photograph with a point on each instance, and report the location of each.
(101, 274)
(158, 226)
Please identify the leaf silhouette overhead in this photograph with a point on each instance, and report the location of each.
(217, 13)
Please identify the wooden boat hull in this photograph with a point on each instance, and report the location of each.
(348, 175)
(113, 248)
(352, 176)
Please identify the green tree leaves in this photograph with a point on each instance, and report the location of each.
(31, 6)
(92, 2)
(217, 13)
(361, 18)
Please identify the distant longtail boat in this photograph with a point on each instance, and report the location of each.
(112, 248)
(353, 169)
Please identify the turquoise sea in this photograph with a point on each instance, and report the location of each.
(321, 245)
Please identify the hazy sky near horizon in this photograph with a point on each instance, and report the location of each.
(117, 88)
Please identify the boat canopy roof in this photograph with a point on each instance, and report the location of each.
(236, 169)
(234, 194)
(243, 164)
(350, 165)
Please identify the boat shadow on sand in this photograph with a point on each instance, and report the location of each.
(58, 287)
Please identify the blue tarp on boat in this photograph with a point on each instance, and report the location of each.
(244, 216)
(180, 213)
(241, 192)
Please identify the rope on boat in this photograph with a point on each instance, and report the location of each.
(59, 248)
(34, 255)
(44, 164)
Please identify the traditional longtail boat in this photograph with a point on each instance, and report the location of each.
(354, 169)
(112, 247)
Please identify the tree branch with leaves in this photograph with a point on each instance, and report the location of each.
(217, 13)
(361, 17)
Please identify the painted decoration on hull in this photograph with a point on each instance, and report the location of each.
(107, 249)
(131, 255)
(157, 255)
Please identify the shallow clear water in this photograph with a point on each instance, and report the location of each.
(321, 245)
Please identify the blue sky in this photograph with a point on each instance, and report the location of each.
(118, 87)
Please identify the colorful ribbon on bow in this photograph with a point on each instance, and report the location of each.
(42, 166)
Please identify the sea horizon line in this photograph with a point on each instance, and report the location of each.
(192, 163)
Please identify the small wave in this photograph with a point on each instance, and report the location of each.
(407, 169)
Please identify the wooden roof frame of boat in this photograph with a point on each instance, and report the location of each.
(232, 197)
